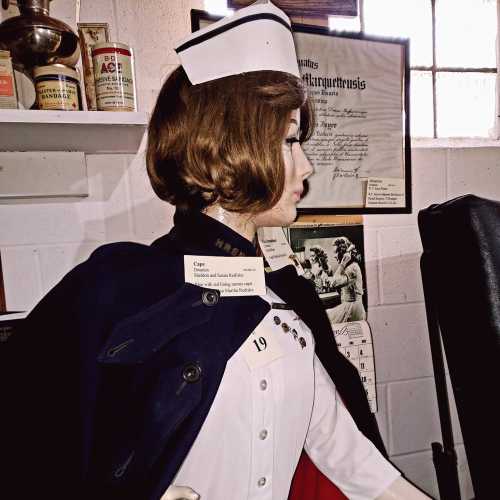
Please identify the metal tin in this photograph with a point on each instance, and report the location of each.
(8, 96)
(114, 77)
(57, 87)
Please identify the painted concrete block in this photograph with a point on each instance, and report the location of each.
(474, 170)
(21, 277)
(50, 222)
(401, 342)
(413, 416)
(400, 250)
(43, 174)
(381, 415)
(58, 260)
(466, 488)
(152, 29)
(146, 99)
(110, 187)
(65, 11)
(100, 11)
(152, 217)
(419, 469)
(455, 422)
(372, 266)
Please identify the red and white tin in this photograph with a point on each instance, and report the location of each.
(114, 77)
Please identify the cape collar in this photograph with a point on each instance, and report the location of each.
(195, 233)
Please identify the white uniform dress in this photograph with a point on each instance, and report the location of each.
(275, 399)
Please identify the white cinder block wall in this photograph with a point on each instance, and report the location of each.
(41, 240)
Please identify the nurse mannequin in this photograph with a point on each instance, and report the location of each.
(201, 59)
(297, 169)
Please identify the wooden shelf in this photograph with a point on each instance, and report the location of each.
(87, 131)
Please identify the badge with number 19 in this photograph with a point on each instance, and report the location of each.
(261, 347)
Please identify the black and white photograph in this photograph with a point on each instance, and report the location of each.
(332, 257)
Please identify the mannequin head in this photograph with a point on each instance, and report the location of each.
(224, 144)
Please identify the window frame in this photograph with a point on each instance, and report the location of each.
(434, 69)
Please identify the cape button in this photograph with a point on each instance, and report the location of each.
(210, 297)
(191, 373)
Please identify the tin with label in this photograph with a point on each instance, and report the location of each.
(8, 95)
(114, 77)
(57, 87)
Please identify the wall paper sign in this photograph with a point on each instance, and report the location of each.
(232, 276)
(308, 7)
(381, 192)
(359, 89)
(277, 250)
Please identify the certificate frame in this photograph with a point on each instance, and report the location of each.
(308, 8)
(400, 150)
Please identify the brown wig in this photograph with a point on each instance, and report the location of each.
(221, 141)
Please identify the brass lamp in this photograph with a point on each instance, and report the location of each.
(36, 39)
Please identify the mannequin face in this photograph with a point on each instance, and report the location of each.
(297, 170)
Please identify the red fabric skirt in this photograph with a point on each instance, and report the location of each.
(311, 484)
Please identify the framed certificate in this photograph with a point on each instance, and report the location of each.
(360, 148)
(358, 86)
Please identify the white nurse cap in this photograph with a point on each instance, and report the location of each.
(255, 38)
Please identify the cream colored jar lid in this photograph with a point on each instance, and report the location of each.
(110, 45)
(55, 69)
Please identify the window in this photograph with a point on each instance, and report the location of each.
(218, 7)
(453, 59)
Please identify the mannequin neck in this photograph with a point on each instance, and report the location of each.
(240, 223)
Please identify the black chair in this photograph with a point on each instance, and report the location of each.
(461, 277)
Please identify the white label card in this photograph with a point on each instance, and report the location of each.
(277, 250)
(383, 192)
(232, 276)
(261, 347)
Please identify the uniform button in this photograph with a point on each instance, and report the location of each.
(277, 320)
(285, 327)
(261, 482)
(191, 373)
(210, 297)
(263, 434)
(263, 385)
